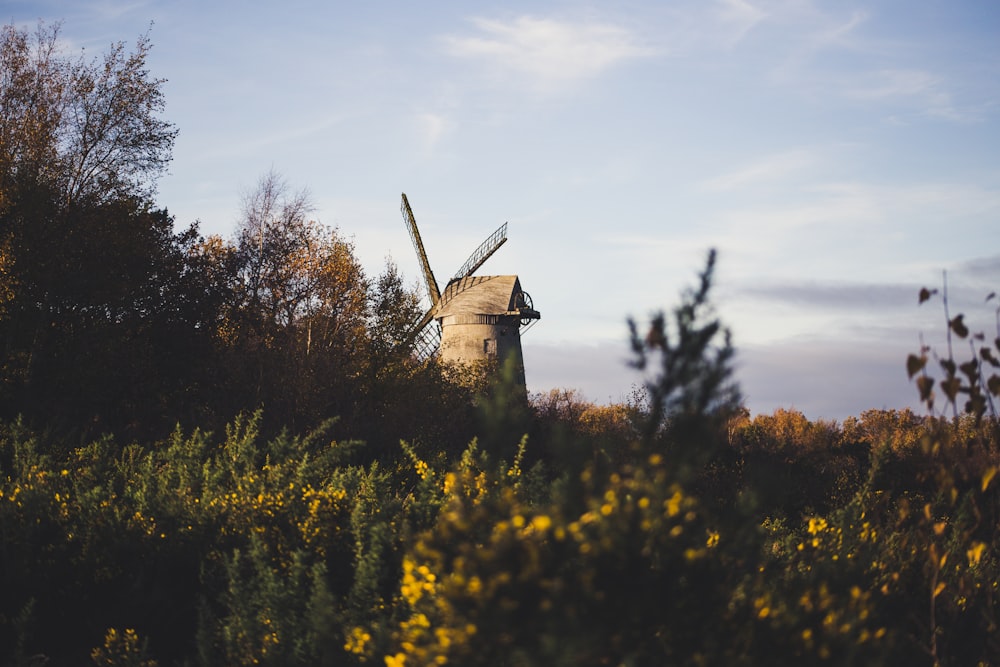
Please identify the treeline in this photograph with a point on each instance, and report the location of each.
(113, 322)
(221, 452)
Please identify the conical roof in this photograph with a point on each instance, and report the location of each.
(480, 295)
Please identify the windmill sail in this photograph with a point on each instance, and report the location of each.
(483, 252)
(427, 341)
(411, 224)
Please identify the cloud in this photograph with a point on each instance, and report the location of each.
(883, 217)
(111, 10)
(547, 51)
(838, 296)
(601, 372)
(827, 378)
(280, 137)
(926, 89)
(433, 126)
(984, 267)
(740, 15)
(767, 169)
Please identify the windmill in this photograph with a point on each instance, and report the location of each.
(475, 318)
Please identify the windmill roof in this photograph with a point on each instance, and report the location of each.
(479, 295)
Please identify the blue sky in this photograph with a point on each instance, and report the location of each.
(838, 155)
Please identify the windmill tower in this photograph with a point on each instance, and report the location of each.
(476, 318)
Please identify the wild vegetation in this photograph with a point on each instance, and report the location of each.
(222, 452)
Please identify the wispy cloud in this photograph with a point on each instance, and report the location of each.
(433, 127)
(804, 33)
(924, 88)
(834, 295)
(829, 378)
(548, 52)
(983, 266)
(112, 10)
(767, 169)
(740, 16)
(223, 146)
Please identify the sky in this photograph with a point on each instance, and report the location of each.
(838, 156)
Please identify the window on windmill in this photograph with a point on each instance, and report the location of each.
(490, 347)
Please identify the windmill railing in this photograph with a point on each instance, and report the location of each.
(482, 253)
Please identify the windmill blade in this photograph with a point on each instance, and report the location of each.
(424, 321)
(483, 252)
(427, 341)
(411, 224)
(425, 336)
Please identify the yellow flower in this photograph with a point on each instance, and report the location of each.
(673, 504)
(357, 641)
(975, 553)
(816, 525)
(541, 523)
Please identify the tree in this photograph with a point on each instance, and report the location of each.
(86, 129)
(300, 309)
(102, 308)
(274, 231)
(395, 311)
(117, 144)
(33, 84)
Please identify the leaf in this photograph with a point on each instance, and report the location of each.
(926, 294)
(915, 364)
(949, 367)
(958, 326)
(993, 384)
(926, 386)
(976, 405)
(971, 370)
(987, 355)
(990, 295)
(951, 388)
(938, 589)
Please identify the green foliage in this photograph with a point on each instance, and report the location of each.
(693, 379)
